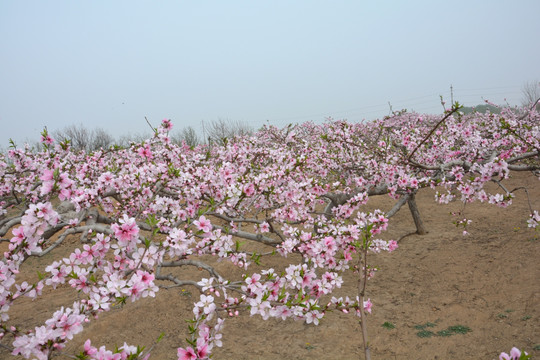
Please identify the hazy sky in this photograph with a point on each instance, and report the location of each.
(109, 64)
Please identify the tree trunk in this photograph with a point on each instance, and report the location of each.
(420, 229)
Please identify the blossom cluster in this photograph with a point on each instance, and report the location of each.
(300, 191)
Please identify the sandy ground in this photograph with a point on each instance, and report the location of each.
(487, 282)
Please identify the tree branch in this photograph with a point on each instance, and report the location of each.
(402, 200)
(249, 236)
(453, 110)
(195, 263)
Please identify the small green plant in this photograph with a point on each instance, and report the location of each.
(308, 346)
(425, 334)
(502, 316)
(445, 333)
(185, 292)
(526, 317)
(451, 330)
(422, 327)
(388, 325)
(536, 347)
(459, 329)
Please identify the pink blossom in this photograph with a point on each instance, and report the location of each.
(48, 175)
(249, 189)
(392, 245)
(145, 152)
(186, 354)
(203, 224)
(264, 227)
(167, 124)
(313, 317)
(534, 220)
(46, 187)
(367, 306)
(515, 354)
(126, 232)
(18, 234)
(206, 303)
(89, 349)
(202, 350)
(64, 181)
(64, 194)
(48, 140)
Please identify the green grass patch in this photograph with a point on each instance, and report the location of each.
(449, 331)
(425, 334)
(444, 333)
(388, 325)
(426, 325)
(459, 329)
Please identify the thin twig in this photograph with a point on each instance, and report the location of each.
(148, 122)
(454, 109)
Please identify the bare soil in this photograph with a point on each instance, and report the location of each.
(487, 282)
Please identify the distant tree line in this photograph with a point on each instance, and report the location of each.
(483, 108)
(81, 138)
(531, 94)
(530, 97)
